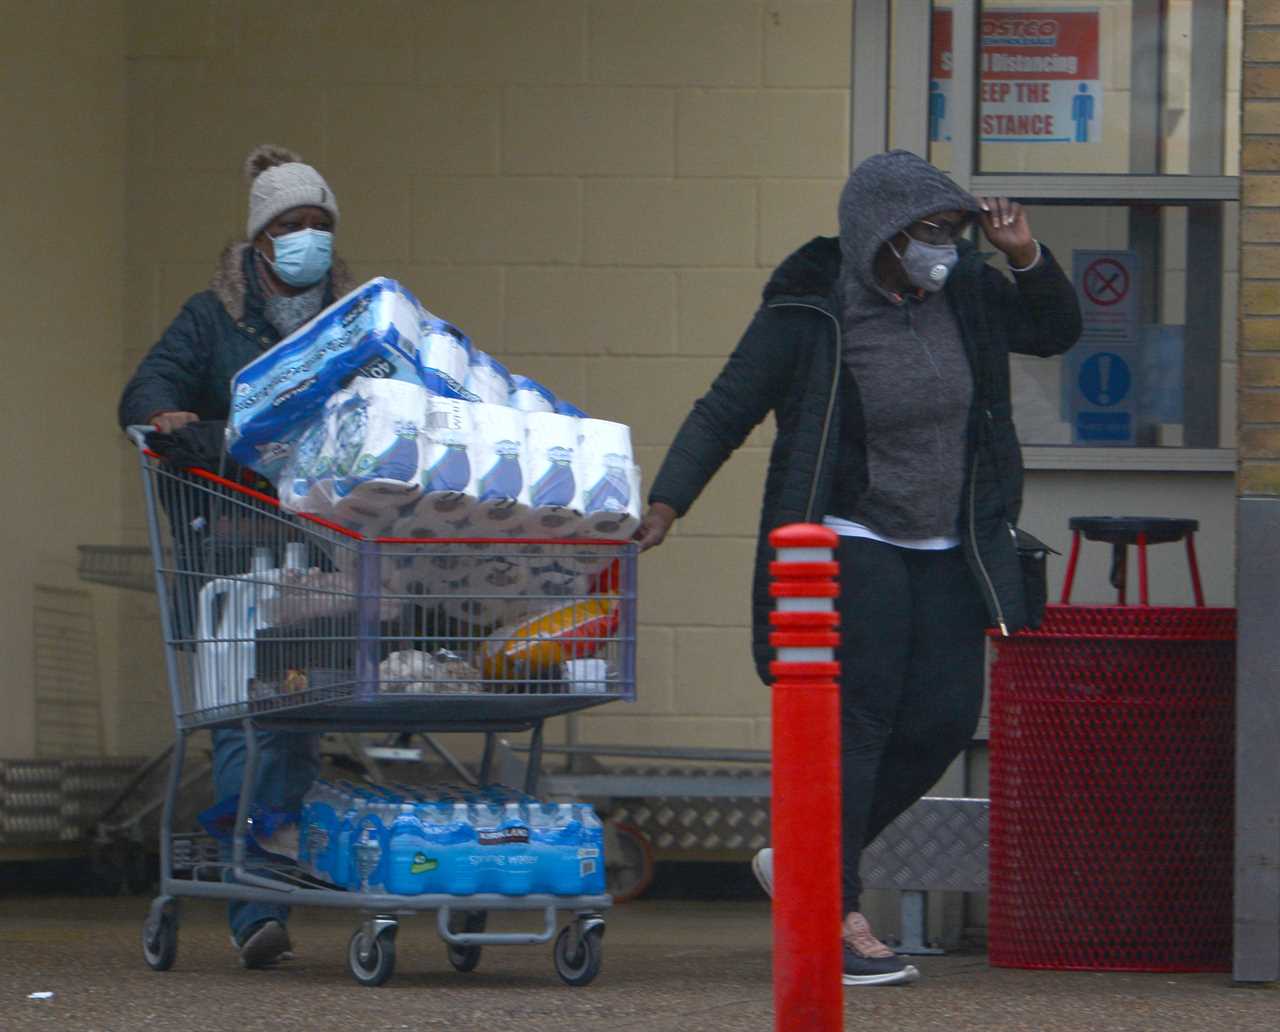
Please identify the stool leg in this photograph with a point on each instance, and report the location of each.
(1195, 568)
(1069, 579)
(1142, 568)
(1120, 571)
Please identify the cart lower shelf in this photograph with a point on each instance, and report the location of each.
(461, 922)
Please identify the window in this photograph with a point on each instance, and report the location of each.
(1116, 122)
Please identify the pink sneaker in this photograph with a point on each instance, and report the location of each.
(868, 961)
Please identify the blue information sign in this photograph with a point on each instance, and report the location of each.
(1103, 394)
(1105, 379)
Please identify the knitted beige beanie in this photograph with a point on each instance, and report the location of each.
(278, 181)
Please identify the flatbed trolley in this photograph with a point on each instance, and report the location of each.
(284, 622)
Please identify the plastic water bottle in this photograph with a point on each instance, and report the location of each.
(590, 850)
(352, 806)
(367, 856)
(369, 842)
(410, 859)
(295, 555)
(317, 831)
(520, 866)
(463, 876)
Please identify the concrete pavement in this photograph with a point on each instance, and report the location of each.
(669, 966)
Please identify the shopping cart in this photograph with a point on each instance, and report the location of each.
(284, 622)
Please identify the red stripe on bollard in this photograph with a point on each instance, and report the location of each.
(803, 673)
(797, 620)
(803, 535)
(804, 639)
(804, 589)
(807, 964)
(804, 571)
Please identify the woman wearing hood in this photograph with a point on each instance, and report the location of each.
(883, 355)
(265, 287)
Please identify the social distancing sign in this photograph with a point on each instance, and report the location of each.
(1038, 72)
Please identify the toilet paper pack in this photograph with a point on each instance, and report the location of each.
(378, 331)
(373, 332)
(555, 494)
(359, 464)
(610, 480)
(304, 484)
(376, 428)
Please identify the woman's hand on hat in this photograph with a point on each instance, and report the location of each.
(653, 528)
(168, 422)
(1004, 222)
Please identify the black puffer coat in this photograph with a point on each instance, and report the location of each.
(789, 363)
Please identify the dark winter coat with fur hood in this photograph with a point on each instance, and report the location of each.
(216, 334)
(789, 363)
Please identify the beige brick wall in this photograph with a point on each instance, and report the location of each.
(62, 122)
(595, 190)
(1259, 339)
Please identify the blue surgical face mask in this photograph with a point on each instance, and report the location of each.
(302, 258)
(927, 265)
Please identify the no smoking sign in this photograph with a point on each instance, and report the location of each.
(1107, 284)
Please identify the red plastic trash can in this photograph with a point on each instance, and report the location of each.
(1112, 777)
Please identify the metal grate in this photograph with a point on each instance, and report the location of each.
(44, 801)
(120, 566)
(68, 702)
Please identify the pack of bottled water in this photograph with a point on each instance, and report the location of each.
(449, 840)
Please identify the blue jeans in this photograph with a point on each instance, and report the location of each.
(287, 765)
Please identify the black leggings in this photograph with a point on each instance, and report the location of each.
(912, 624)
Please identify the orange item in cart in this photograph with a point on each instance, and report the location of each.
(538, 644)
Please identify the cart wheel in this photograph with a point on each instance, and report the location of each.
(372, 959)
(628, 867)
(160, 939)
(465, 958)
(578, 954)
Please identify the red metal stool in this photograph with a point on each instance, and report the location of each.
(1122, 531)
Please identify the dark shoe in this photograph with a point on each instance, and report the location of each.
(267, 944)
(891, 970)
(868, 961)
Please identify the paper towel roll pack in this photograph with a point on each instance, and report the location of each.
(610, 480)
(530, 396)
(488, 379)
(499, 456)
(448, 488)
(462, 469)
(555, 494)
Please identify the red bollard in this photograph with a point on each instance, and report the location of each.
(807, 969)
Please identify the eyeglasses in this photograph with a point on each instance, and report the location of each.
(937, 232)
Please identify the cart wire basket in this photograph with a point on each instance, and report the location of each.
(275, 621)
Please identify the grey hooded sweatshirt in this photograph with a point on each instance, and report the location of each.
(905, 353)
